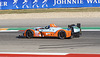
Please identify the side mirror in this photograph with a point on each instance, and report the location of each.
(46, 27)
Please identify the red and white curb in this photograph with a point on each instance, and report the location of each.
(15, 54)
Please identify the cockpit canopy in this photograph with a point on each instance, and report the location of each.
(51, 25)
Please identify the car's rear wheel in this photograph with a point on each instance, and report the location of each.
(62, 34)
(29, 34)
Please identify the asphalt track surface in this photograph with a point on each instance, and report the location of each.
(89, 42)
(62, 22)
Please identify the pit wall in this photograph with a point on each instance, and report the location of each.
(37, 4)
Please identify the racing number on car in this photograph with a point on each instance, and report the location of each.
(47, 33)
(36, 33)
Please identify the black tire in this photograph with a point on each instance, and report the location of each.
(29, 34)
(61, 34)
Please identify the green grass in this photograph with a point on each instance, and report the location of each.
(94, 9)
(22, 28)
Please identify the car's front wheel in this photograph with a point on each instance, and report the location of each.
(29, 34)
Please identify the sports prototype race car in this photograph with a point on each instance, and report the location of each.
(53, 31)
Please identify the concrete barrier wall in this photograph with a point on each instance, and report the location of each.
(35, 4)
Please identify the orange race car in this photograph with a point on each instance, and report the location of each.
(53, 31)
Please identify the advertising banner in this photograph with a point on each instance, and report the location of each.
(35, 4)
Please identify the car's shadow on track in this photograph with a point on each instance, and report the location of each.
(39, 38)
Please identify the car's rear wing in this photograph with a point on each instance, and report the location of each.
(75, 28)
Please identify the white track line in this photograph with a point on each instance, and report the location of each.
(9, 30)
(34, 53)
(90, 29)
